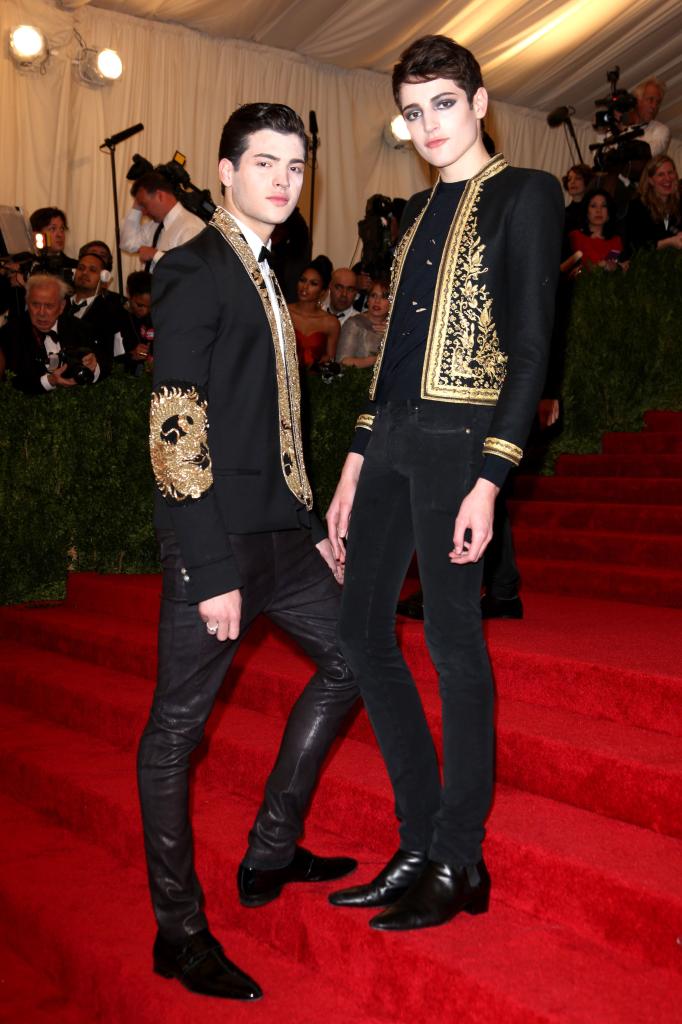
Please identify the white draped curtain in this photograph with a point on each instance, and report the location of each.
(182, 85)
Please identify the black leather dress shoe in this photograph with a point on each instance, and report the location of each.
(412, 606)
(402, 870)
(501, 607)
(257, 887)
(439, 893)
(202, 967)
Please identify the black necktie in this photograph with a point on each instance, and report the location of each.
(157, 235)
(78, 305)
(265, 256)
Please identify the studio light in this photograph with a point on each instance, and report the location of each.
(98, 67)
(28, 47)
(396, 133)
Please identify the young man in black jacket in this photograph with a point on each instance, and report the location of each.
(237, 537)
(455, 388)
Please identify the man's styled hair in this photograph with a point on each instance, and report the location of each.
(256, 117)
(41, 280)
(437, 57)
(152, 181)
(86, 250)
(640, 89)
(41, 218)
(139, 283)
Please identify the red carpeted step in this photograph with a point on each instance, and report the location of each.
(646, 442)
(557, 767)
(618, 518)
(663, 420)
(506, 966)
(662, 587)
(637, 490)
(28, 995)
(89, 917)
(599, 546)
(90, 787)
(623, 466)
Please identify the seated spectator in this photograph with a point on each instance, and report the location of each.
(101, 313)
(576, 182)
(44, 348)
(139, 340)
(361, 335)
(169, 224)
(317, 331)
(597, 239)
(101, 249)
(342, 291)
(649, 96)
(653, 218)
(51, 223)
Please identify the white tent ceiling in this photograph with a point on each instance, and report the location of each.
(538, 54)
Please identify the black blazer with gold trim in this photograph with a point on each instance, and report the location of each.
(225, 436)
(493, 310)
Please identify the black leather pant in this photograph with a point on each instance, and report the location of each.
(285, 578)
(421, 461)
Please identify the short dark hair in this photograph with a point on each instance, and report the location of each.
(86, 250)
(41, 218)
(610, 227)
(582, 171)
(323, 266)
(256, 117)
(437, 57)
(139, 283)
(95, 256)
(152, 181)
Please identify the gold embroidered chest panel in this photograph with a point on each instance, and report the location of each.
(463, 361)
(286, 364)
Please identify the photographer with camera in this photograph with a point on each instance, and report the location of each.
(169, 224)
(44, 348)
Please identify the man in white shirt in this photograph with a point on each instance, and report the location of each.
(169, 224)
(342, 292)
(649, 98)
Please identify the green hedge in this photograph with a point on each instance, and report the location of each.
(76, 486)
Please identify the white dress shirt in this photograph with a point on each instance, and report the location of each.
(119, 349)
(341, 317)
(255, 245)
(179, 225)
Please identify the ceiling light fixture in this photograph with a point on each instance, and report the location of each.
(98, 67)
(396, 133)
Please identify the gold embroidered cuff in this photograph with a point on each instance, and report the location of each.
(178, 443)
(505, 449)
(366, 421)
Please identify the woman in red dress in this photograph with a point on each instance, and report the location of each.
(597, 241)
(317, 332)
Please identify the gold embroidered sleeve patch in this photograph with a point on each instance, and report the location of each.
(366, 421)
(505, 449)
(178, 443)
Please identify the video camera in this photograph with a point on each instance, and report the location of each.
(621, 147)
(375, 234)
(196, 200)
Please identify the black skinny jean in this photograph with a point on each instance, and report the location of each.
(421, 461)
(285, 578)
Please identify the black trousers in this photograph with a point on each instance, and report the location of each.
(286, 578)
(421, 461)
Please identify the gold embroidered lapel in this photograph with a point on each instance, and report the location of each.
(286, 366)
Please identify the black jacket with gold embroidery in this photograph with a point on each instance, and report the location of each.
(225, 434)
(493, 309)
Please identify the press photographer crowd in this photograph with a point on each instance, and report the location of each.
(63, 325)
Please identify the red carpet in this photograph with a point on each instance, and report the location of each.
(585, 838)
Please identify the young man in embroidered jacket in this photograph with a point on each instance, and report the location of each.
(237, 538)
(454, 391)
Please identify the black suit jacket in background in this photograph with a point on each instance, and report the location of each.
(27, 358)
(216, 396)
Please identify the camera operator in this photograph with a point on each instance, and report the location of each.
(169, 225)
(44, 348)
(51, 223)
(649, 95)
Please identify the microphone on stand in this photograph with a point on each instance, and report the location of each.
(559, 116)
(125, 134)
(312, 123)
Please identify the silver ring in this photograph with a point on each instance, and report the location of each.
(211, 629)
